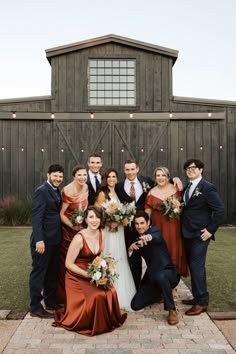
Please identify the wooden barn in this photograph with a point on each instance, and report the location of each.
(113, 96)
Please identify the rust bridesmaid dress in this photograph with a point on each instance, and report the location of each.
(68, 233)
(89, 310)
(171, 232)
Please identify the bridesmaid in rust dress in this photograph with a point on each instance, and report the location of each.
(74, 196)
(89, 310)
(171, 229)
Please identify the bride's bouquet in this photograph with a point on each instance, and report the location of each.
(78, 216)
(171, 206)
(102, 271)
(117, 212)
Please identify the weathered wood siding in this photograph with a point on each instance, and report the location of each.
(69, 78)
(152, 143)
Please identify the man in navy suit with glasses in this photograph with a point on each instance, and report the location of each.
(203, 213)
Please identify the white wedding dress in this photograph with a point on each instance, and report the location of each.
(115, 245)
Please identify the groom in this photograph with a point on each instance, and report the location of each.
(133, 188)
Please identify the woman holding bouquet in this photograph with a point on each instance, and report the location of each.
(89, 310)
(74, 196)
(164, 208)
(114, 238)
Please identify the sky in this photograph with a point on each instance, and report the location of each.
(203, 31)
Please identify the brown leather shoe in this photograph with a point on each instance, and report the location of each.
(196, 310)
(190, 302)
(41, 313)
(53, 308)
(172, 318)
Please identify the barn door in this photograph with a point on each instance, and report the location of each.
(74, 141)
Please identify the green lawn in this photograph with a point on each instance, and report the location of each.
(15, 265)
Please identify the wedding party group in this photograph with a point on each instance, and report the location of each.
(102, 248)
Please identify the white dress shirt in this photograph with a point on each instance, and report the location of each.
(194, 185)
(137, 186)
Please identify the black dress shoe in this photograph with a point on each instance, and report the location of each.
(41, 313)
(188, 302)
(53, 307)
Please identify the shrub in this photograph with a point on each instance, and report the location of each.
(15, 212)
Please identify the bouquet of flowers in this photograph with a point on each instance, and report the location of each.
(171, 206)
(102, 271)
(78, 216)
(120, 213)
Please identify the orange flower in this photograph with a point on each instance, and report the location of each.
(111, 208)
(103, 281)
(125, 221)
(96, 262)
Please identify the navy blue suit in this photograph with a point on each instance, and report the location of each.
(162, 274)
(46, 225)
(130, 232)
(204, 210)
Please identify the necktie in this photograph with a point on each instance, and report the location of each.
(186, 194)
(96, 182)
(132, 191)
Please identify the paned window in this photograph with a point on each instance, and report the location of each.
(112, 82)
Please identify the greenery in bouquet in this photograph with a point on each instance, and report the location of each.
(102, 271)
(78, 216)
(117, 212)
(171, 207)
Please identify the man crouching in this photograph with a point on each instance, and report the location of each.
(161, 276)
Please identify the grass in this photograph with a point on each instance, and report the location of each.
(15, 265)
(221, 265)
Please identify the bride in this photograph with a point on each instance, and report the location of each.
(115, 242)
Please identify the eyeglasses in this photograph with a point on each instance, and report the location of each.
(191, 168)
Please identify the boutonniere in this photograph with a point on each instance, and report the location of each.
(146, 187)
(197, 192)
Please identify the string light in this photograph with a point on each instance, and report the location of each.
(91, 115)
(142, 150)
(2, 148)
(170, 115)
(162, 149)
(131, 115)
(201, 147)
(221, 147)
(209, 114)
(62, 150)
(122, 150)
(13, 114)
(22, 148)
(102, 150)
(53, 115)
(42, 149)
(82, 150)
(181, 148)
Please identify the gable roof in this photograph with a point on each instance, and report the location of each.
(107, 39)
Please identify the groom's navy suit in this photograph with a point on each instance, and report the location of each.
(130, 232)
(46, 225)
(162, 274)
(204, 210)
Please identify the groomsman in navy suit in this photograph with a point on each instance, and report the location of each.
(202, 214)
(162, 275)
(94, 176)
(45, 243)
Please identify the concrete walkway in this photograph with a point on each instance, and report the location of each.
(143, 332)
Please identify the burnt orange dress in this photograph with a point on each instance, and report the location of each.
(89, 310)
(68, 233)
(171, 232)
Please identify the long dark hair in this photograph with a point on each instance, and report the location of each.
(103, 186)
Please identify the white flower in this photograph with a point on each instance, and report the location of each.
(196, 192)
(145, 186)
(97, 276)
(103, 263)
(79, 219)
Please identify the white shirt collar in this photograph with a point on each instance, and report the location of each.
(195, 182)
(55, 189)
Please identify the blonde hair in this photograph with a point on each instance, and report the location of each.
(163, 170)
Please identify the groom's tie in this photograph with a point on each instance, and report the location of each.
(186, 194)
(132, 191)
